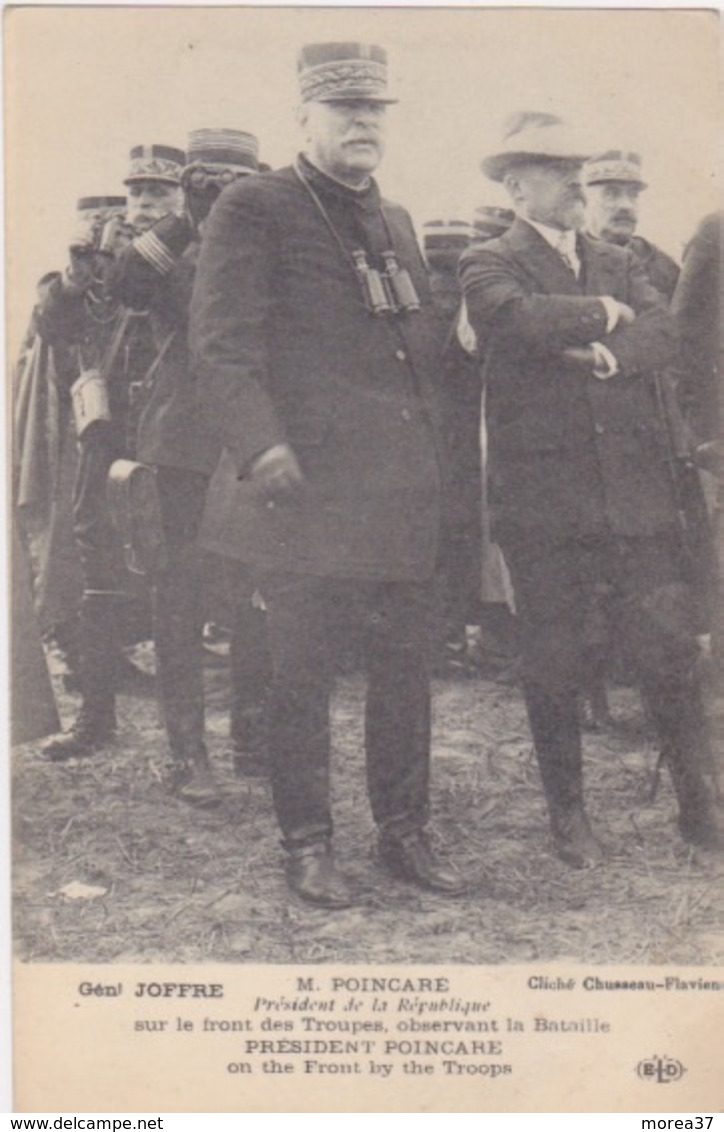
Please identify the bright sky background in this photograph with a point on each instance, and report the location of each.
(85, 84)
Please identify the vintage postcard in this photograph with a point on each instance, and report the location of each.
(367, 711)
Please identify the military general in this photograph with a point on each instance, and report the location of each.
(311, 329)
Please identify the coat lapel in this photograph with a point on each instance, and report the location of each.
(600, 273)
(540, 261)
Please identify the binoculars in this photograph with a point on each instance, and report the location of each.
(386, 292)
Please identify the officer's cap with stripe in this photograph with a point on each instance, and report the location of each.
(614, 165)
(224, 149)
(156, 163)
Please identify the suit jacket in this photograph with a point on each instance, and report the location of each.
(156, 273)
(569, 455)
(287, 352)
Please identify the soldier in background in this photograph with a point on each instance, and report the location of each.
(156, 273)
(495, 652)
(459, 383)
(698, 306)
(613, 185)
(114, 351)
(45, 459)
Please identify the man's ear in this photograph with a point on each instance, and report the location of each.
(302, 115)
(512, 184)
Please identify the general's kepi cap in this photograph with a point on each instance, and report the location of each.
(343, 72)
(156, 163)
(614, 165)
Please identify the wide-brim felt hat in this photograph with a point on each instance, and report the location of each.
(535, 137)
(343, 72)
(156, 163)
(614, 165)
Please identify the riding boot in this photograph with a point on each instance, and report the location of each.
(250, 683)
(178, 628)
(557, 738)
(678, 714)
(96, 721)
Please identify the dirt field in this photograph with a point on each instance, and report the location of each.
(167, 883)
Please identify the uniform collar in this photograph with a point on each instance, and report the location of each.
(366, 198)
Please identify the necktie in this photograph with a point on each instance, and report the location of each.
(566, 251)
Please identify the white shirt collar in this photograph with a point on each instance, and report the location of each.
(563, 242)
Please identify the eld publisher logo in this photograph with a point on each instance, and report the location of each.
(662, 1070)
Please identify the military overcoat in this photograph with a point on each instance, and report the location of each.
(155, 273)
(286, 351)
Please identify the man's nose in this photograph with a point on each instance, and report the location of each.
(366, 115)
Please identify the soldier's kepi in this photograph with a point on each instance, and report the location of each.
(311, 326)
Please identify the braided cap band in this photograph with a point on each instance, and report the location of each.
(343, 72)
(223, 148)
(156, 163)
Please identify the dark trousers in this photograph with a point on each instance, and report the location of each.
(101, 556)
(178, 611)
(640, 584)
(307, 621)
(98, 542)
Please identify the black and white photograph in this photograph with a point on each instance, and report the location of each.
(366, 492)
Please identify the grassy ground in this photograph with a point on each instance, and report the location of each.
(179, 885)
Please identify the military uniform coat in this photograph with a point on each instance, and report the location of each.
(155, 273)
(660, 269)
(287, 352)
(570, 455)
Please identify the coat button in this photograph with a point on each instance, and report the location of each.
(401, 355)
(599, 428)
(406, 414)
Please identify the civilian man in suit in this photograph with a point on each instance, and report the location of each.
(578, 486)
(311, 326)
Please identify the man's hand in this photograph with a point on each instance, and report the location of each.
(116, 235)
(80, 273)
(582, 356)
(595, 359)
(626, 314)
(276, 472)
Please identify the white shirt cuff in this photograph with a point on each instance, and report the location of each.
(465, 333)
(612, 312)
(606, 364)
